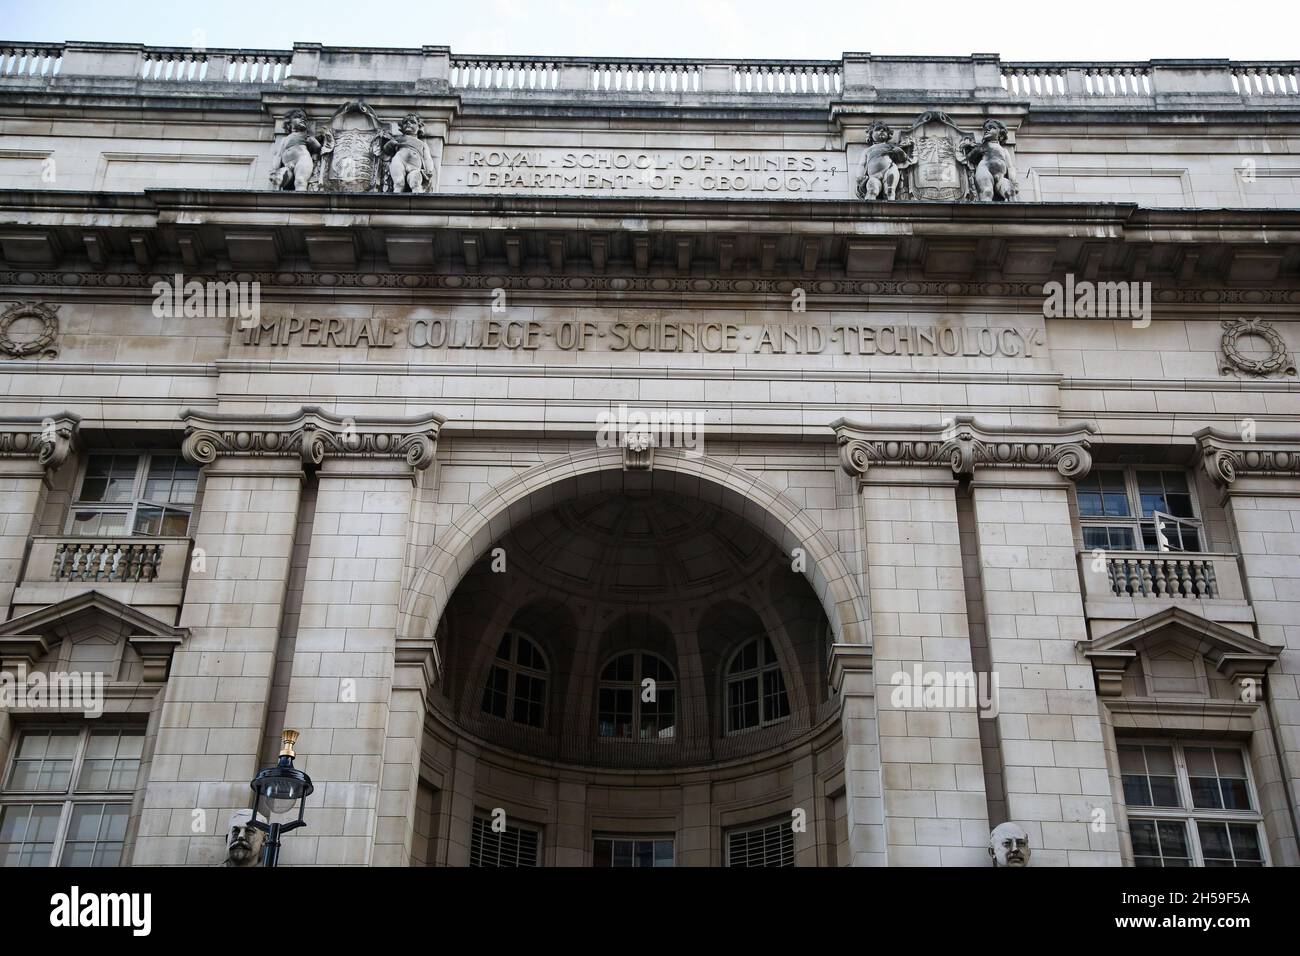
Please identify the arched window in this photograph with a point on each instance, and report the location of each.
(629, 707)
(516, 684)
(755, 687)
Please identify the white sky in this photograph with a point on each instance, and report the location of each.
(796, 29)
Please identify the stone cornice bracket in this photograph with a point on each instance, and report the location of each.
(311, 434)
(962, 444)
(1226, 456)
(49, 439)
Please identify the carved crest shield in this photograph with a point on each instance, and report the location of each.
(937, 173)
(349, 152)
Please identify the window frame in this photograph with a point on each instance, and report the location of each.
(757, 673)
(485, 819)
(1187, 813)
(1135, 520)
(783, 824)
(130, 509)
(634, 839)
(634, 685)
(513, 670)
(70, 796)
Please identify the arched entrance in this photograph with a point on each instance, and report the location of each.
(634, 669)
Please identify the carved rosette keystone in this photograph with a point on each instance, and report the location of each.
(1226, 457)
(49, 440)
(964, 444)
(311, 435)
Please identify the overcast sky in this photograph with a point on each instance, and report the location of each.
(813, 29)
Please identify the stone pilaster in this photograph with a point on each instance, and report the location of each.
(1038, 686)
(357, 691)
(851, 680)
(1260, 485)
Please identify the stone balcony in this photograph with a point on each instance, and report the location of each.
(1125, 586)
(146, 573)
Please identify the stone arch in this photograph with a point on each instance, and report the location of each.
(533, 491)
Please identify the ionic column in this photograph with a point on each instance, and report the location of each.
(1260, 485)
(357, 690)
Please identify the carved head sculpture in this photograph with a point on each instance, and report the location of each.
(994, 129)
(1009, 845)
(296, 121)
(411, 125)
(243, 843)
(880, 132)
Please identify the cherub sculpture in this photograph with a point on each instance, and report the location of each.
(991, 163)
(1009, 845)
(296, 154)
(410, 164)
(883, 166)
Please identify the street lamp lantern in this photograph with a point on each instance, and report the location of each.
(275, 792)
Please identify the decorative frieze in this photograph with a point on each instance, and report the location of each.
(1227, 457)
(49, 439)
(962, 444)
(311, 434)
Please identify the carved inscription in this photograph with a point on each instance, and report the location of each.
(647, 171)
(648, 336)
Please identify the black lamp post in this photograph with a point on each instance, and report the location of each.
(275, 791)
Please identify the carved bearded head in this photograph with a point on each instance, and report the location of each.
(296, 121)
(1009, 845)
(880, 132)
(243, 843)
(412, 125)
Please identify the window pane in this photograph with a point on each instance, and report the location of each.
(1215, 846)
(495, 693)
(102, 524)
(112, 761)
(27, 834)
(43, 761)
(109, 478)
(1245, 844)
(775, 703)
(95, 835)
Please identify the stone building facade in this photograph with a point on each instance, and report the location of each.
(610, 462)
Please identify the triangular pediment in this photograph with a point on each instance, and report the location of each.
(31, 636)
(1174, 630)
(1180, 626)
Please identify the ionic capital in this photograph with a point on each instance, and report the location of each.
(48, 439)
(1227, 457)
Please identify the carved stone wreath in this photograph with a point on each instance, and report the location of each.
(44, 343)
(1278, 360)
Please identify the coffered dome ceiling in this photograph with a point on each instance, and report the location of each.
(639, 548)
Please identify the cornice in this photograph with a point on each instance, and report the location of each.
(963, 445)
(311, 434)
(1226, 456)
(48, 439)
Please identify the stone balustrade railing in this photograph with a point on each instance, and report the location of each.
(859, 76)
(1138, 577)
(126, 560)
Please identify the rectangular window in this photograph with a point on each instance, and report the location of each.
(150, 494)
(632, 851)
(511, 846)
(1190, 805)
(67, 796)
(769, 845)
(1138, 509)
